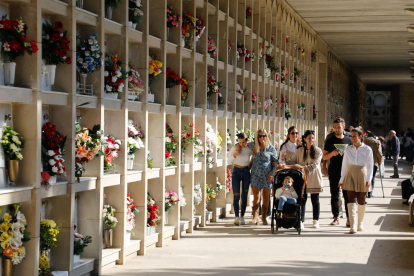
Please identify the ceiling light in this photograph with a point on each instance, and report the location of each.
(409, 11)
(410, 29)
(411, 42)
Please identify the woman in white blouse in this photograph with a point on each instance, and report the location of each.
(239, 157)
(356, 175)
(291, 144)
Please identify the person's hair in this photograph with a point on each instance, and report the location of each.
(313, 147)
(382, 139)
(256, 148)
(288, 177)
(288, 137)
(241, 135)
(339, 120)
(350, 128)
(393, 131)
(359, 131)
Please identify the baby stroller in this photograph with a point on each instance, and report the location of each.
(291, 213)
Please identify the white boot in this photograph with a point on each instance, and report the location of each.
(352, 208)
(361, 214)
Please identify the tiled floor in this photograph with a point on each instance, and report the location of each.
(386, 247)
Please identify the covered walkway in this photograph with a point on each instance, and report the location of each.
(386, 247)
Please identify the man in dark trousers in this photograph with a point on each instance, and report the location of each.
(395, 152)
(334, 148)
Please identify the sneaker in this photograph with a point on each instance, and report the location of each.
(335, 221)
(302, 225)
(395, 176)
(315, 224)
(341, 215)
(347, 224)
(237, 221)
(242, 221)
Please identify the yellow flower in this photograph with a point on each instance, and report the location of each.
(5, 237)
(22, 229)
(3, 227)
(7, 218)
(4, 244)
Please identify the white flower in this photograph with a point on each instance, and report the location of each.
(114, 79)
(52, 162)
(108, 88)
(167, 139)
(18, 155)
(15, 243)
(118, 73)
(16, 226)
(14, 148)
(106, 73)
(50, 153)
(118, 141)
(121, 87)
(55, 169)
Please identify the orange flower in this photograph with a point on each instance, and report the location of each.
(81, 150)
(84, 136)
(8, 252)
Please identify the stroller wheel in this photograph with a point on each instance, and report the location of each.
(299, 230)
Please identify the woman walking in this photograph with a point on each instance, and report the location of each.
(239, 157)
(309, 159)
(291, 144)
(356, 175)
(264, 155)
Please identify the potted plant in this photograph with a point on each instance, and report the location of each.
(48, 232)
(154, 69)
(88, 60)
(52, 149)
(172, 80)
(135, 141)
(173, 20)
(114, 76)
(111, 148)
(55, 47)
(110, 5)
(135, 14)
(132, 211)
(80, 243)
(185, 90)
(211, 47)
(153, 217)
(14, 44)
(187, 28)
(171, 199)
(110, 222)
(240, 92)
(12, 143)
(170, 146)
(134, 82)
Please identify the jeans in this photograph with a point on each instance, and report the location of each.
(283, 200)
(374, 172)
(238, 175)
(315, 206)
(333, 182)
(395, 163)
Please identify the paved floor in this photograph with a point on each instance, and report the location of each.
(386, 247)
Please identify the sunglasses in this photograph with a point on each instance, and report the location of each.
(262, 136)
(293, 133)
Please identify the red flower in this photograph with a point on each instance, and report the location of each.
(167, 154)
(133, 206)
(58, 25)
(6, 25)
(68, 60)
(45, 176)
(33, 44)
(23, 38)
(172, 141)
(55, 36)
(15, 45)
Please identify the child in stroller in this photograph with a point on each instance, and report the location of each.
(286, 195)
(290, 215)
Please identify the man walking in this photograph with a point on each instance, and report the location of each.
(395, 152)
(334, 148)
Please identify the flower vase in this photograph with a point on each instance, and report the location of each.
(13, 170)
(76, 259)
(134, 26)
(108, 12)
(168, 33)
(182, 157)
(183, 42)
(128, 237)
(50, 76)
(168, 95)
(83, 79)
(130, 24)
(108, 237)
(166, 218)
(7, 267)
(130, 161)
(208, 104)
(111, 96)
(52, 180)
(150, 96)
(9, 73)
(239, 96)
(79, 4)
(195, 159)
(150, 230)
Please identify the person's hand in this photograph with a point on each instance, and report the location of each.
(299, 141)
(297, 167)
(325, 171)
(291, 189)
(339, 184)
(238, 150)
(367, 184)
(283, 187)
(335, 152)
(282, 165)
(269, 178)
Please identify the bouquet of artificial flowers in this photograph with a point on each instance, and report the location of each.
(171, 199)
(132, 211)
(88, 56)
(114, 76)
(108, 214)
(135, 137)
(12, 143)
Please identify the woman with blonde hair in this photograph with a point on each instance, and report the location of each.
(264, 162)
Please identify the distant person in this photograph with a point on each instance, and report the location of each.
(395, 152)
(375, 146)
(401, 138)
(408, 144)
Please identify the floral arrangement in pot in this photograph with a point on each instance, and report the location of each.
(52, 149)
(12, 233)
(188, 29)
(110, 222)
(241, 51)
(48, 233)
(262, 46)
(111, 148)
(88, 144)
(254, 99)
(228, 180)
(186, 138)
(288, 113)
(170, 146)
(272, 64)
(110, 5)
(198, 194)
(229, 142)
(113, 76)
(132, 212)
(211, 47)
(172, 80)
(185, 90)
(150, 159)
(79, 244)
(211, 143)
(134, 82)
(14, 44)
(55, 48)
(12, 143)
(88, 59)
(198, 146)
(210, 193)
(219, 187)
(153, 216)
(314, 113)
(296, 74)
(171, 199)
(314, 57)
(173, 20)
(135, 14)
(200, 27)
(240, 92)
(183, 200)
(247, 57)
(248, 12)
(212, 85)
(135, 142)
(154, 70)
(267, 103)
(219, 140)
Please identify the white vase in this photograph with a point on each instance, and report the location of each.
(183, 42)
(239, 96)
(150, 98)
(195, 159)
(76, 259)
(130, 24)
(111, 96)
(50, 76)
(134, 26)
(166, 218)
(150, 230)
(9, 73)
(130, 161)
(52, 180)
(128, 237)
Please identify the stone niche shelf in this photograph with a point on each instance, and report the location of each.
(26, 102)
